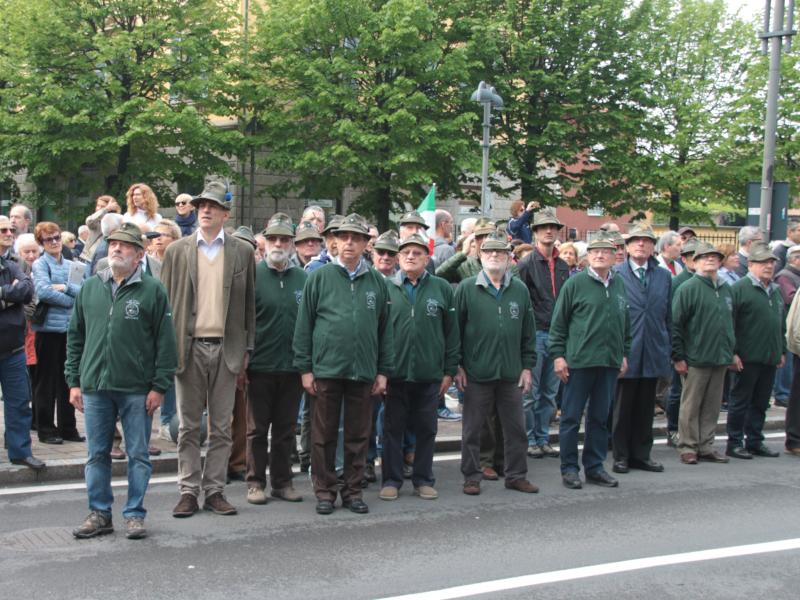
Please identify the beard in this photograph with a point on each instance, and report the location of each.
(120, 264)
(278, 256)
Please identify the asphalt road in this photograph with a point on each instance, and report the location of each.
(413, 546)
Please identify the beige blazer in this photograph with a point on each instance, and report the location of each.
(179, 276)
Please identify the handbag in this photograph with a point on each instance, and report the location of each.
(40, 312)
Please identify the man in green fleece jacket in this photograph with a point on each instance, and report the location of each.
(427, 346)
(498, 353)
(590, 341)
(760, 326)
(702, 349)
(343, 350)
(121, 359)
(274, 390)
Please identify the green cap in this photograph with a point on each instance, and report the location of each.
(484, 226)
(333, 224)
(246, 234)
(689, 246)
(412, 217)
(496, 240)
(704, 249)
(616, 238)
(128, 232)
(354, 223)
(546, 216)
(307, 231)
(279, 224)
(214, 191)
(388, 240)
(760, 252)
(416, 239)
(603, 240)
(640, 231)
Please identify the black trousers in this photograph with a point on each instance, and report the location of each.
(50, 391)
(632, 431)
(793, 411)
(410, 406)
(272, 403)
(747, 406)
(492, 442)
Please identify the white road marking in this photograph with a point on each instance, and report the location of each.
(512, 583)
(60, 487)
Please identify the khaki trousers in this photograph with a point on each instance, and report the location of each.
(700, 403)
(205, 381)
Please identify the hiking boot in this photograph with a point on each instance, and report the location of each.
(535, 451)
(255, 495)
(521, 485)
(96, 523)
(472, 487)
(134, 528)
(388, 492)
(185, 507)
(426, 492)
(288, 493)
(217, 504)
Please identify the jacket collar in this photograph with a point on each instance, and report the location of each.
(399, 278)
(771, 287)
(361, 268)
(483, 280)
(135, 277)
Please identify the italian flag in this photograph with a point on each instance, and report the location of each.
(427, 210)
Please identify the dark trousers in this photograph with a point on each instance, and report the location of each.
(492, 443)
(633, 418)
(748, 403)
(272, 402)
(673, 408)
(409, 406)
(480, 399)
(325, 411)
(793, 410)
(50, 391)
(237, 462)
(595, 385)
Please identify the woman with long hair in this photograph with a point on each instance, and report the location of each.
(142, 205)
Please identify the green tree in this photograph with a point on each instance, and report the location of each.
(361, 94)
(98, 94)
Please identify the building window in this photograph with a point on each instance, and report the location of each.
(596, 211)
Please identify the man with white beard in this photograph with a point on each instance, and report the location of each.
(274, 383)
(121, 359)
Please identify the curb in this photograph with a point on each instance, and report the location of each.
(168, 461)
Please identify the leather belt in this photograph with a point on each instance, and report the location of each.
(209, 340)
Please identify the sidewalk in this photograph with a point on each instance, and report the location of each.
(67, 460)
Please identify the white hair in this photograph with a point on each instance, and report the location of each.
(110, 223)
(82, 229)
(27, 238)
(467, 224)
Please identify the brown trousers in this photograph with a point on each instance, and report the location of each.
(325, 411)
(700, 404)
(272, 401)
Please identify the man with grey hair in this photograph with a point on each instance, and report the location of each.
(442, 241)
(781, 248)
(669, 252)
(315, 215)
(21, 217)
(747, 235)
(110, 223)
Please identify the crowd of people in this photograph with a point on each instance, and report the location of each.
(354, 339)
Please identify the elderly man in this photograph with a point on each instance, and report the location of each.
(16, 290)
(275, 386)
(702, 350)
(669, 252)
(343, 349)
(330, 251)
(648, 289)
(119, 365)
(185, 215)
(544, 273)
(314, 215)
(210, 279)
(443, 240)
(589, 341)
(109, 223)
(467, 263)
(498, 354)
(307, 242)
(426, 339)
(22, 217)
(747, 235)
(686, 233)
(782, 248)
(759, 324)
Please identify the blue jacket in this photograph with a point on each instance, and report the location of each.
(46, 272)
(520, 228)
(318, 261)
(651, 320)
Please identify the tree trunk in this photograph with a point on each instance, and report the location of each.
(383, 203)
(674, 209)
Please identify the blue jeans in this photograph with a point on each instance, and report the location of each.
(539, 404)
(168, 407)
(595, 384)
(17, 411)
(783, 380)
(101, 410)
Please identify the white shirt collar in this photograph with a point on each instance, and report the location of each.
(220, 236)
(635, 266)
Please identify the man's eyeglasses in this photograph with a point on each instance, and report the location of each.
(385, 253)
(8, 230)
(413, 254)
(52, 240)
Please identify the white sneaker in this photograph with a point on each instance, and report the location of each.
(163, 433)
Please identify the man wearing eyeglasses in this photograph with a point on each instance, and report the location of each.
(186, 217)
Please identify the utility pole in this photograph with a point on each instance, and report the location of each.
(774, 38)
(489, 98)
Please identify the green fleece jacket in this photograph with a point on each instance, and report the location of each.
(426, 339)
(460, 266)
(591, 325)
(498, 332)
(680, 279)
(344, 330)
(759, 321)
(278, 295)
(702, 323)
(124, 342)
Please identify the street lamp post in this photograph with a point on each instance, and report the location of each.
(486, 95)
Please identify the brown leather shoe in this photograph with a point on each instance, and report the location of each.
(689, 458)
(714, 457)
(490, 474)
(472, 488)
(185, 507)
(217, 504)
(287, 493)
(792, 451)
(522, 485)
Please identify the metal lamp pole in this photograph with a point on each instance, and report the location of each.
(486, 95)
